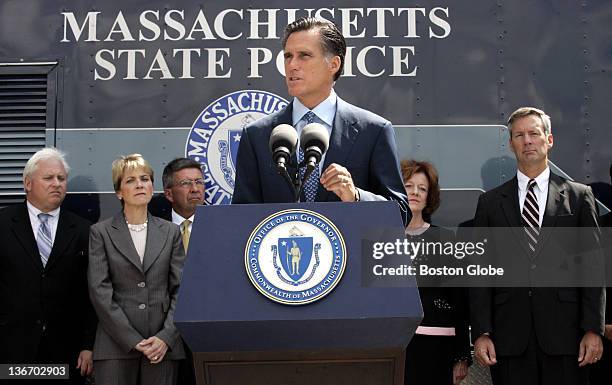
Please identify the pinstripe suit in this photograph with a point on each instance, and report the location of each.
(134, 300)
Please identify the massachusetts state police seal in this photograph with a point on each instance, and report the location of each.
(215, 135)
(295, 257)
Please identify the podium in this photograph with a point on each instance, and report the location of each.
(353, 335)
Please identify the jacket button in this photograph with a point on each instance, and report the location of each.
(533, 266)
(141, 284)
(142, 306)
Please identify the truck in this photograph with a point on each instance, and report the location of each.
(99, 79)
(102, 79)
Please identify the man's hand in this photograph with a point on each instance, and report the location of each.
(484, 351)
(85, 362)
(591, 349)
(153, 348)
(608, 332)
(338, 180)
(460, 371)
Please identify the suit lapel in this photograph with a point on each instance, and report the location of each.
(120, 236)
(156, 240)
(510, 204)
(66, 231)
(556, 203)
(343, 136)
(512, 211)
(22, 228)
(285, 117)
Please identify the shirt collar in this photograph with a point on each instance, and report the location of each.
(178, 219)
(541, 180)
(35, 211)
(325, 111)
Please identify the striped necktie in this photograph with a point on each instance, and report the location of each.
(531, 215)
(312, 183)
(44, 240)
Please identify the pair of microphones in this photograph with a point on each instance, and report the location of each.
(283, 143)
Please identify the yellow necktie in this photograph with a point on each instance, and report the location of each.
(186, 233)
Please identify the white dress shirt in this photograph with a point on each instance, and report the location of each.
(35, 222)
(325, 112)
(540, 190)
(139, 238)
(178, 220)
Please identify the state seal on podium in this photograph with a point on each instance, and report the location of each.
(295, 257)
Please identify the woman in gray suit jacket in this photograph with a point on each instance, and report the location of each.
(135, 265)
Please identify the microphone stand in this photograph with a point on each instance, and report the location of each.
(297, 186)
(295, 182)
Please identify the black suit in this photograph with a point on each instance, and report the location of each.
(549, 320)
(45, 313)
(601, 373)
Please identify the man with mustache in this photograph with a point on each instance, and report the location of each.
(184, 189)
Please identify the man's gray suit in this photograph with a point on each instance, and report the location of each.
(134, 300)
(361, 141)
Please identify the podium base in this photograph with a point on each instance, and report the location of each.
(354, 367)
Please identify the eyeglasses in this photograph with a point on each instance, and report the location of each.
(190, 182)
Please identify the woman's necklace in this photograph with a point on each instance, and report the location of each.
(417, 230)
(137, 228)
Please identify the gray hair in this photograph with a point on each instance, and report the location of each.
(526, 111)
(44, 154)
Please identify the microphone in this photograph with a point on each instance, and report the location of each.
(283, 143)
(314, 142)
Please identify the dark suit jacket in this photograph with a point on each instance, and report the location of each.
(134, 300)
(50, 301)
(606, 224)
(443, 306)
(361, 141)
(559, 316)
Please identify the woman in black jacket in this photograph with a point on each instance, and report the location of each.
(439, 352)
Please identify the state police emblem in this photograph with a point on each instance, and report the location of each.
(215, 135)
(295, 257)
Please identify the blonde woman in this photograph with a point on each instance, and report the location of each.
(135, 264)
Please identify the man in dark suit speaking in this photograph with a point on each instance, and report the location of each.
(45, 313)
(536, 335)
(361, 163)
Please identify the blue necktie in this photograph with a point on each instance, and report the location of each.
(312, 183)
(44, 239)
